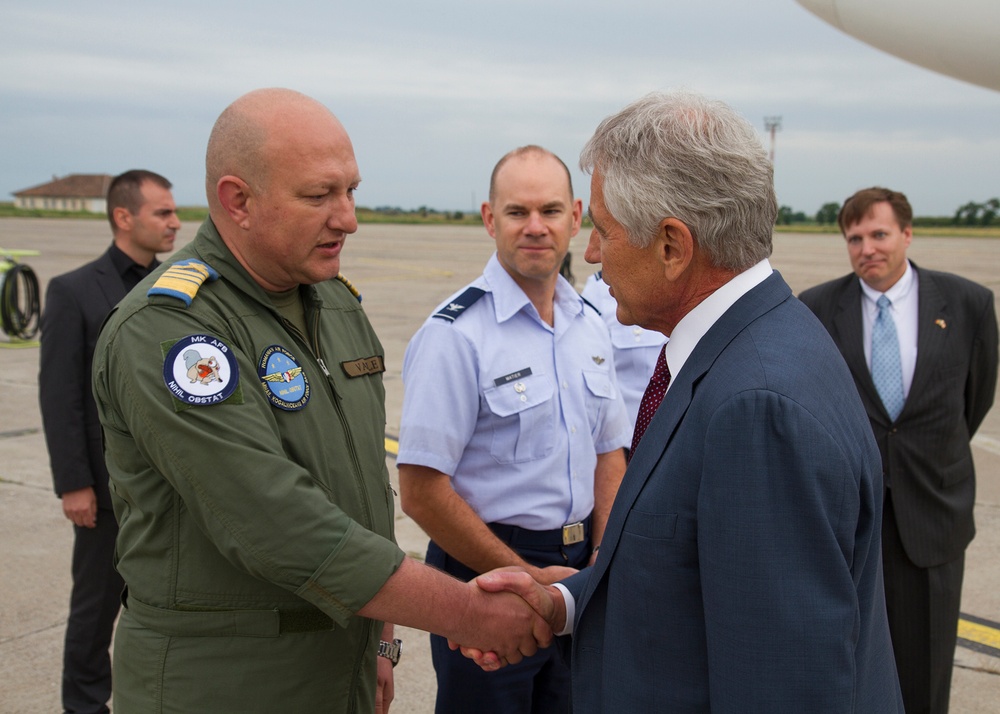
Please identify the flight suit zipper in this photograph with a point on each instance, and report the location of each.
(312, 318)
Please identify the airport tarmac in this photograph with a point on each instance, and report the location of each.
(403, 272)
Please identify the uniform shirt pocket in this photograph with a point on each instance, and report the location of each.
(523, 419)
(600, 389)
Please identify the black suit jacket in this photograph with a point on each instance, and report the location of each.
(926, 457)
(75, 307)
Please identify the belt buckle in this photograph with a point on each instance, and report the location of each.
(573, 533)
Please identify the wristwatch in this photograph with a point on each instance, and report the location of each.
(390, 650)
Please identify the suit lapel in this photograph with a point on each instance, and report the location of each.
(932, 331)
(109, 281)
(675, 404)
(850, 338)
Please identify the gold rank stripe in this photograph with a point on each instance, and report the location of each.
(183, 278)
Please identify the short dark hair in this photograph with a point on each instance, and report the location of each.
(860, 205)
(524, 151)
(125, 191)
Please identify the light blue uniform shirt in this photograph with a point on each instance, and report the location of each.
(636, 349)
(515, 411)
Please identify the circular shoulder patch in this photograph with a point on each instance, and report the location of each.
(200, 369)
(284, 382)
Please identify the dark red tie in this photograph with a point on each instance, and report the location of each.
(652, 397)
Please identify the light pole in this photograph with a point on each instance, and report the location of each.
(772, 124)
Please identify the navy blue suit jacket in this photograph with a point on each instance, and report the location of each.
(740, 569)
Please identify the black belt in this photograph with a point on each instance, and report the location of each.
(569, 534)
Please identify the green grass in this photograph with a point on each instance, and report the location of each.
(199, 213)
(936, 231)
(7, 210)
(459, 218)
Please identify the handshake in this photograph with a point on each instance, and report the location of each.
(518, 616)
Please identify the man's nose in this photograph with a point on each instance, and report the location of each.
(535, 223)
(593, 252)
(342, 217)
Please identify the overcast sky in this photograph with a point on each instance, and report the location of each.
(434, 92)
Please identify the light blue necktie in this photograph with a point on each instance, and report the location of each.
(886, 370)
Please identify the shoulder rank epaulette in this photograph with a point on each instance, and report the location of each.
(457, 306)
(350, 286)
(599, 275)
(183, 279)
(592, 305)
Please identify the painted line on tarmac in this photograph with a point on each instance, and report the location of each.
(19, 344)
(974, 633)
(979, 635)
(18, 432)
(987, 443)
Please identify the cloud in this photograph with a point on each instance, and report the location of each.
(433, 93)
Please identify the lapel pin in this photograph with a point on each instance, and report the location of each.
(597, 359)
(941, 323)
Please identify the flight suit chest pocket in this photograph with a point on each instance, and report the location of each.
(522, 418)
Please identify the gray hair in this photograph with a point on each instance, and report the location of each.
(681, 155)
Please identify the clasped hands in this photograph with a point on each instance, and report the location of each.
(524, 625)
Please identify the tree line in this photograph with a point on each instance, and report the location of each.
(969, 214)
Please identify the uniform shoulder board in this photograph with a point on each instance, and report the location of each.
(183, 279)
(599, 275)
(457, 306)
(592, 305)
(350, 286)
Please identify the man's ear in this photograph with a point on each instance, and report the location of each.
(123, 218)
(235, 197)
(674, 247)
(577, 216)
(486, 210)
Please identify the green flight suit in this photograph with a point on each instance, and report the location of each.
(253, 523)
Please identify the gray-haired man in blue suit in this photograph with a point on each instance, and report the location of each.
(740, 567)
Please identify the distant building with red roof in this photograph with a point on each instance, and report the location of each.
(76, 192)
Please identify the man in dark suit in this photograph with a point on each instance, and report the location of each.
(936, 390)
(144, 222)
(739, 569)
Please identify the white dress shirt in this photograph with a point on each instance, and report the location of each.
(904, 310)
(685, 337)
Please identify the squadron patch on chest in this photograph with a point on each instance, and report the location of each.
(200, 370)
(284, 381)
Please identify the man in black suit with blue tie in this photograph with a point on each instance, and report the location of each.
(922, 346)
(144, 222)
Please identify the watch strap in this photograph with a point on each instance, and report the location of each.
(390, 650)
